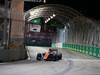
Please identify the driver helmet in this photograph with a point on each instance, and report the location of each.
(50, 50)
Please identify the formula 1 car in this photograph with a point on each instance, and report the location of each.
(52, 55)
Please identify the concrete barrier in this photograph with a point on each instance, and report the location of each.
(4, 55)
(12, 55)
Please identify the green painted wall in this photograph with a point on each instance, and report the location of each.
(53, 45)
(93, 51)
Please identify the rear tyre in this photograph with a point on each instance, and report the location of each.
(55, 57)
(59, 56)
(39, 56)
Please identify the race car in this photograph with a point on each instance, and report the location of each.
(51, 55)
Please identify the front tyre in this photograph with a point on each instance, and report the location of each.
(39, 56)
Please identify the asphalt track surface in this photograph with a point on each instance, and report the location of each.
(72, 63)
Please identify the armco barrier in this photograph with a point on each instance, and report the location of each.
(90, 50)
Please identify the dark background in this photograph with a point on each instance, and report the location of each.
(89, 8)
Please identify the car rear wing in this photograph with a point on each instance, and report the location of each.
(55, 50)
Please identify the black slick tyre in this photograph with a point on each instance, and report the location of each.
(39, 56)
(55, 57)
(59, 56)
